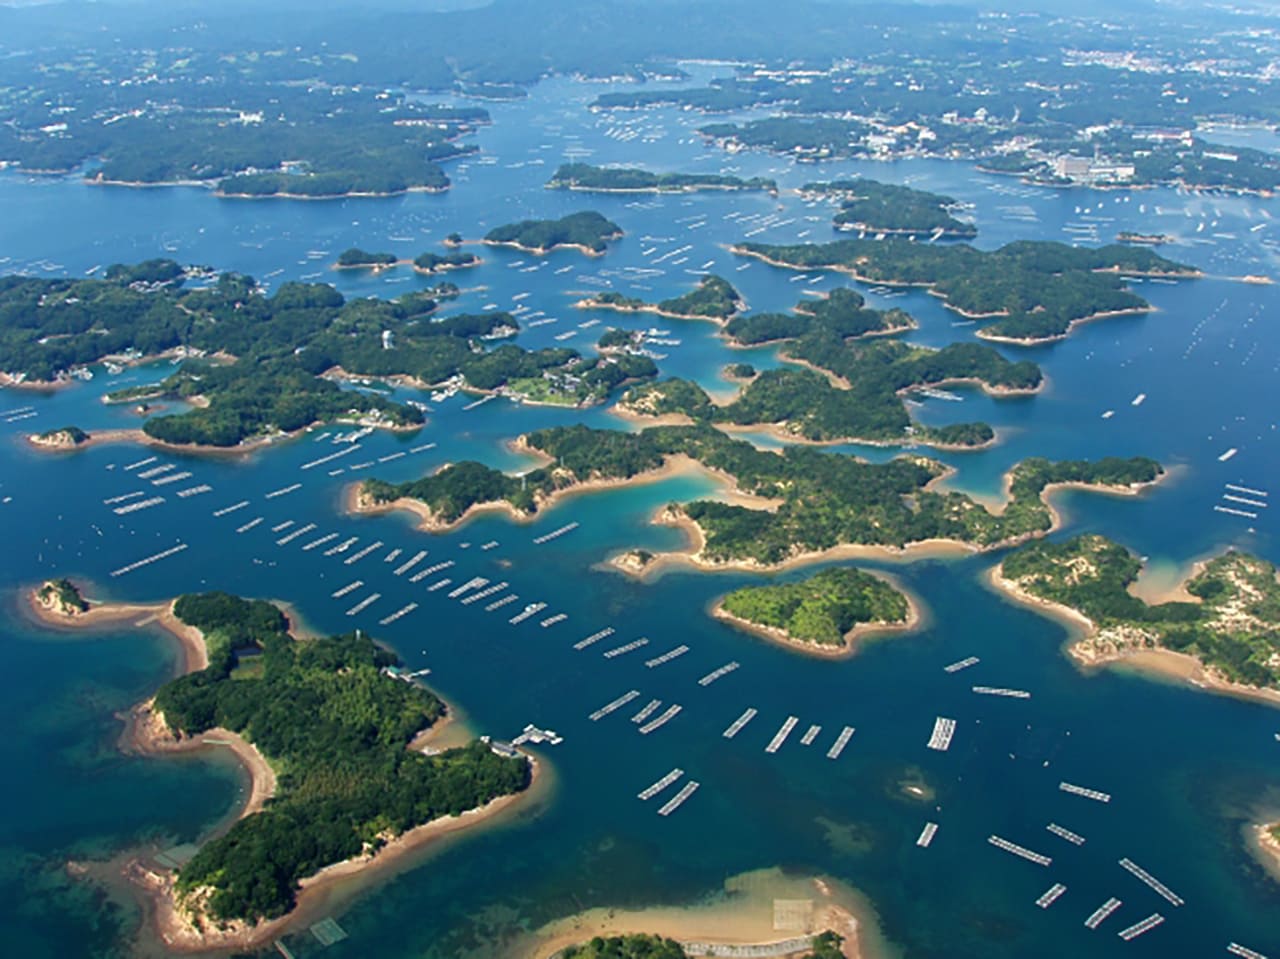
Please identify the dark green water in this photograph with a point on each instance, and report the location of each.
(1188, 771)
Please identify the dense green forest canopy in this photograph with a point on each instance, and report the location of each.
(281, 343)
(821, 608)
(875, 207)
(1234, 628)
(714, 298)
(588, 230)
(1029, 291)
(843, 313)
(585, 177)
(828, 499)
(336, 726)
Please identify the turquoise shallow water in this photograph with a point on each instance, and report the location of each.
(1187, 770)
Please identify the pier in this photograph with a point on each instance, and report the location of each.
(249, 525)
(926, 835)
(402, 611)
(165, 554)
(1138, 928)
(943, 730)
(781, 735)
(231, 509)
(687, 790)
(284, 490)
(962, 664)
(618, 703)
(1098, 915)
(736, 726)
(349, 588)
(364, 603)
(810, 735)
(998, 691)
(1093, 794)
(1021, 851)
(593, 638)
(669, 714)
(1050, 895)
(621, 650)
(1061, 831)
(841, 741)
(555, 534)
(1160, 888)
(646, 711)
(666, 657)
(356, 557)
(661, 784)
(715, 674)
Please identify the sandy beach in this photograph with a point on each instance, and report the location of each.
(1266, 847)
(851, 641)
(761, 907)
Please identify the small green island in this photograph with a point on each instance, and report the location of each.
(826, 611)
(428, 263)
(356, 258)
(800, 504)
(868, 206)
(335, 720)
(714, 298)
(641, 945)
(63, 597)
(596, 179)
(842, 313)
(587, 231)
(1027, 291)
(62, 438)
(1228, 619)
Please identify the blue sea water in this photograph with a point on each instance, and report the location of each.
(1188, 771)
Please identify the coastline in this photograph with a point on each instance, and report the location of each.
(543, 251)
(850, 643)
(1265, 846)
(141, 438)
(591, 303)
(1155, 662)
(984, 334)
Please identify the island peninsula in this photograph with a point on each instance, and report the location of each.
(331, 731)
(804, 504)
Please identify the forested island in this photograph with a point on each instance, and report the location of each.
(597, 179)
(1029, 291)
(646, 946)
(869, 206)
(714, 298)
(587, 231)
(331, 717)
(842, 313)
(818, 502)
(864, 403)
(427, 263)
(826, 611)
(1227, 617)
(259, 365)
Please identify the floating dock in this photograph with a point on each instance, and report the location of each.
(736, 726)
(165, 554)
(284, 490)
(295, 534)
(1074, 838)
(1160, 888)
(661, 784)
(194, 491)
(1243, 951)
(413, 561)
(555, 534)
(646, 711)
(943, 730)
(138, 505)
(670, 713)
(781, 735)
(1093, 794)
(926, 834)
(618, 703)
(810, 735)
(249, 525)
(841, 741)
(999, 691)
(666, 657)
(171, 478)
(687, 790)
(364, 603)
(141, 463)
(552, 620)
(1050, 895)
(525, 613)
(402, 611)
(439, 584)
(621, 650)
(349, 588)
(499, 603)
(315, 543)
(715, 674)
(1138, 928)
(475, 582)
(230, 509)
(593, 638)
(330, 458)
(282, 526)
(356, 557)
(962, 664)
(1098, 915)
(342, 547)
(485, 593)
(134, 495)
(1022, 851)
